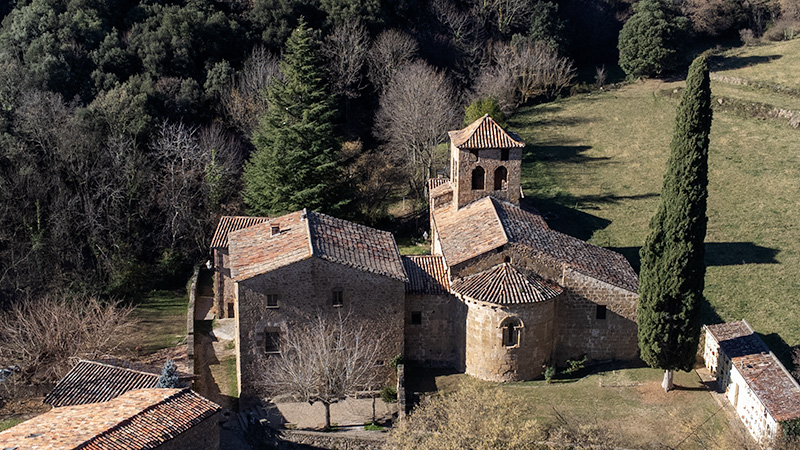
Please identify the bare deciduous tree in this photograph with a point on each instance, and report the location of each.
(375, 176)
(523, 70)
(415, 112)
(391, 51)
(44, 336)
(326, 360)
(474, 418)
(506, 14)
(246, 100)
(346, 49)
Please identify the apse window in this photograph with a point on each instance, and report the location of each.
(511, 332)
(600, 314)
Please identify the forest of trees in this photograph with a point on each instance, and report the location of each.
(126, 125)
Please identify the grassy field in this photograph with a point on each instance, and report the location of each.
(628, 403)
(775, 62)
(596, 162)
(162, 320)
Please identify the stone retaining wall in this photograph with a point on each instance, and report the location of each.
(294, 439)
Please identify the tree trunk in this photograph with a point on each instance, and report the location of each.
(327, 416)
(373, 409)
(667, 383)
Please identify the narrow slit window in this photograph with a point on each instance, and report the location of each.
(511, 332)
(337, 297)
(504, 154)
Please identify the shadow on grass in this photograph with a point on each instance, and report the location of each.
(739, 62)
(718, 254)
(570, 221)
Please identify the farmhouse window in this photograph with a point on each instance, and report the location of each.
(272, 300)
(600, 314)
(272, 342)
(504, 154)
(416, 317)
(337, 296)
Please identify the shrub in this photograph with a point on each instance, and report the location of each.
(549, 373)
(747, 37)
(389, 394)
(783, 30)
(650, 39)
(481, 106)
(574, 365)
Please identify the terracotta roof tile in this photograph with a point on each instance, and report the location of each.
(488, 223)
(427, 274)
(777, 390)
(93, 382)
(505, 284)
(254, 250)
(525, 228)
(484, 133)
(303, 234)
(139, 419)
(355, 245)
(228, 224)
(470, 231)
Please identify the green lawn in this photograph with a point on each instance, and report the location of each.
(774, 62)
(162, 320)
(8, 423)
(629, 403)
(596, 161)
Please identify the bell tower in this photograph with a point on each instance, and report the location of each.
(485, 161)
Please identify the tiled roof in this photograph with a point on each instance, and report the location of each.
(523, 227)
(303, 234)
(470, 231)
(506, 284)
(484, 133)
(228, 224)
(765, 375)
(137, 420)
(93, 382)
(427, 274)
(488, 223)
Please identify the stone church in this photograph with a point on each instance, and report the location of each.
(500, 297)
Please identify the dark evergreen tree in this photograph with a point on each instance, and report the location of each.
(650, 39)
(295, 162)
(672, 274)
(169, 376)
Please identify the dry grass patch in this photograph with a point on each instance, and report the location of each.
(775, 62)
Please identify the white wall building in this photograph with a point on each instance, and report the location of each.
(761, 390)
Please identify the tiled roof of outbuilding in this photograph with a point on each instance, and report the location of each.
(94, 382)
(488, 223)
(228, 224)
(505, 284)
(137, 420)
(484, 133)
(772, 384)
(304, 234)
(427, 274)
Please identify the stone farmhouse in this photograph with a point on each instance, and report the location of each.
(761, 390)
(500, 297)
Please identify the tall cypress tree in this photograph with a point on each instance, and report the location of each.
(672, 274)
(295, 162)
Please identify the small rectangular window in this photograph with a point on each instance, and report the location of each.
(504, 154)
(601, 312)
(272, 300)
(416, 317)
(272, 342)
(338, 297)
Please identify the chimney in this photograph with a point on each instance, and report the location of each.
(274, 229)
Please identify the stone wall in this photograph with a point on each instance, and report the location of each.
(224, 286)
(486, 356)
(581, 332)
(439, 340)
(203, 436)
(462, 164)
(306, 440)
(304, 290)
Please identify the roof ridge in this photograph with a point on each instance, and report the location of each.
(499, 220)
(114, 366)
(309, 233)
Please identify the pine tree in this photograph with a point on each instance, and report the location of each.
(650, 39)
(295, 162)
(169, 376)
(672, 274)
